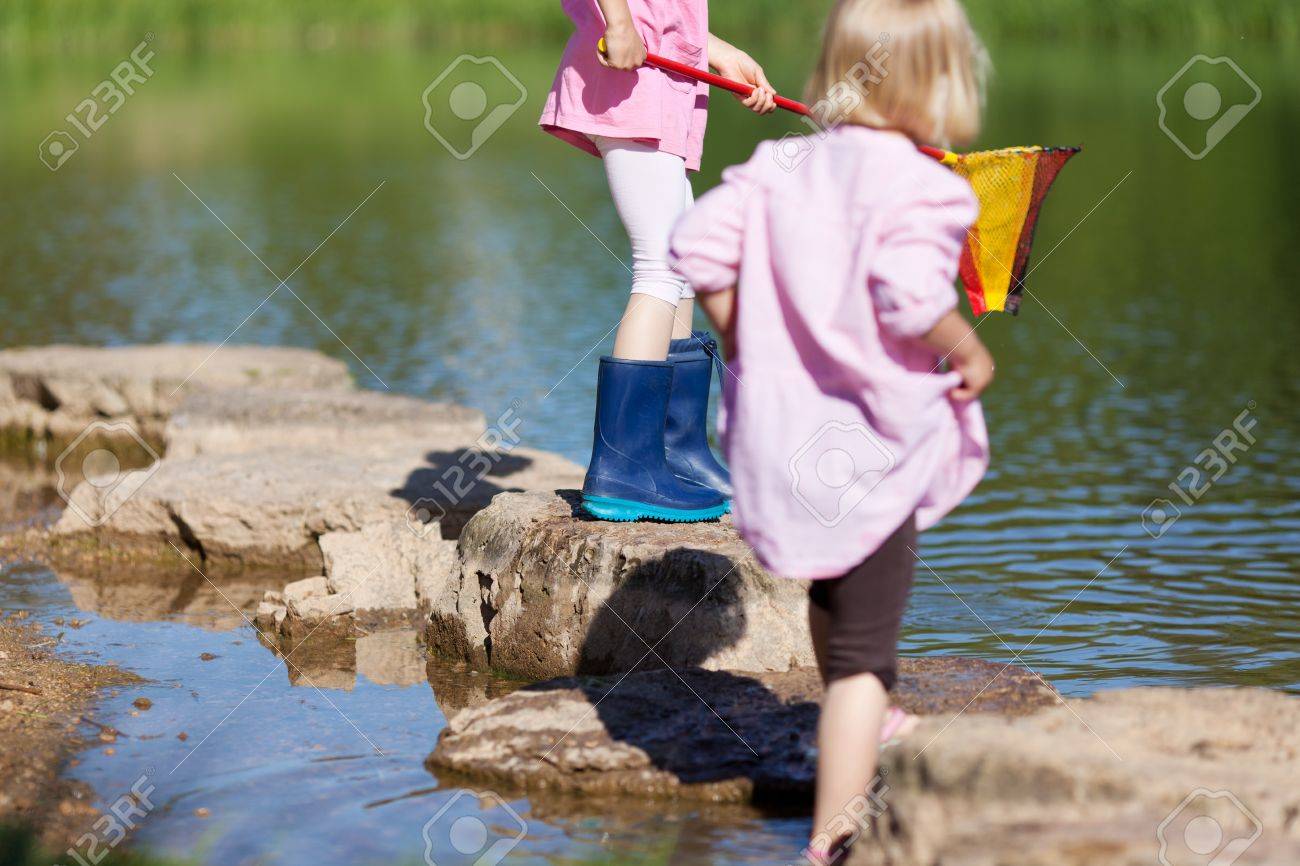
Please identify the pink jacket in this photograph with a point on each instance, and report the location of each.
(667, 109)
(835, 419)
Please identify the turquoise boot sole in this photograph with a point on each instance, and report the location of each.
(625, 510)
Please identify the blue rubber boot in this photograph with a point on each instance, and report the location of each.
(628, 478)
(686, 431)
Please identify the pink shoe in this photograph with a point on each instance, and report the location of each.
(835, 856)
(893, 724)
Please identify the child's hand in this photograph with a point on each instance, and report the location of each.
(976, 369)
(624, 48)
(735, 64)
(955, 340)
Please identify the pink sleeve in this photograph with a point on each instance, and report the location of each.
(913, 274)
(706, 242)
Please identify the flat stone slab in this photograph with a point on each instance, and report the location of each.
(1124, 777)
(51, 393)
(545, 591)
(353, 422)
(269, 507)
(271, 459)
(1019, 777)
(696, 734)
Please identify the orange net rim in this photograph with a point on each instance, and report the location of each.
(949, 157)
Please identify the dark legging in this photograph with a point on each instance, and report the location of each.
(863, 609)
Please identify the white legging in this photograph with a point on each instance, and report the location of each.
(650, 191)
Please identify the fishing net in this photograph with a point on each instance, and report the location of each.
(1010, 184)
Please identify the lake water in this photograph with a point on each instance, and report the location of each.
(1162, 314)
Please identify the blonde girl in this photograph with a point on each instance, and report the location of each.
(852, 420)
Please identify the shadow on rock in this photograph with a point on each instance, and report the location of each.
(678, 611)
(546, 592)
(712, 730)
(455, 485)
(685, 668)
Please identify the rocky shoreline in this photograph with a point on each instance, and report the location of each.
(664, 661)
(44, 706)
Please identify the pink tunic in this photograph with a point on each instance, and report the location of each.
(836, 423)
(664, 108)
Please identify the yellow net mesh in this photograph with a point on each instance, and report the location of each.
(1010, 184)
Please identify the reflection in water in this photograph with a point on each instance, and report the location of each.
(323, 660)
(143, 594)
(27, 496)
(326, 766)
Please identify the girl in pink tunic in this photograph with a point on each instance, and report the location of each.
(648, 125)
(828, 263)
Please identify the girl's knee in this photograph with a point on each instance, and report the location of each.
(658, 280)
(667, 292)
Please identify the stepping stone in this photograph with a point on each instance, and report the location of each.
(545, 591)
(714, 735)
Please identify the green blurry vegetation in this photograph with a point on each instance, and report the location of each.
(54, 26)
(19, 847)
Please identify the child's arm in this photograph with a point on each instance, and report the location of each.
(731, 62)
(955, 339)
(624, 48)
(720, 307)
(913, 274)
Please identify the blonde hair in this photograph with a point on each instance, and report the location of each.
(911, 65)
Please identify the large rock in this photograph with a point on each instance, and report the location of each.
(1184, 777)
(388, 567)
(367, 489)
(263, 508)
(545, 591)
(49, 395)
(1022, 777)
(310, 598)
(696, 734)
(268, 508)
(272, 461)
(352, 422)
